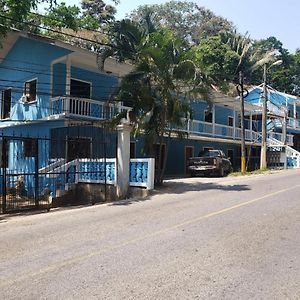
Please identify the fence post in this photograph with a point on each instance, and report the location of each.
(36, 173)
(123, 158)
(4, 166)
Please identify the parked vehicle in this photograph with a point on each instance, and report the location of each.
(211, 162)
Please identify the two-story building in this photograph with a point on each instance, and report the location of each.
(55, 100)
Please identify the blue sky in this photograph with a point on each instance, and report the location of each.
(260, 18)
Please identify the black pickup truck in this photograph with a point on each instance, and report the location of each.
(211, 162)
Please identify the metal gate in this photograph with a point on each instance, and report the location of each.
(35, 169)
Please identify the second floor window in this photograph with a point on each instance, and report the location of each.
(30, 90)
(208, 116)
(230, 121)
(5, 103)
(80, 89)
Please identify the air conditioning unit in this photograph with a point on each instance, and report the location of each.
(25, 98)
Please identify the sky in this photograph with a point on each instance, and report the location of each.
(260, 18)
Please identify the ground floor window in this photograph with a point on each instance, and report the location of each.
(30, 147)
(78, 148)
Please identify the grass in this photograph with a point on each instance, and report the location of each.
(255, 172)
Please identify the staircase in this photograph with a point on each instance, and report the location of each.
(292, 156)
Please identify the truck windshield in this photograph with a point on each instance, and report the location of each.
(211, 153)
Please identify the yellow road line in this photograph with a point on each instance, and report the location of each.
(78, 259)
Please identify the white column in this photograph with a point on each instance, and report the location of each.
(214, 119)
(68, 85)
(123, 159)
(234, 125)
(68, 75)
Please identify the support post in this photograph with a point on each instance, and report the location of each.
(123, 159)
(243, 146)
(263, 152)
(234, 124)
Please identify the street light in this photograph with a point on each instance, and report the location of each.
(263, 152)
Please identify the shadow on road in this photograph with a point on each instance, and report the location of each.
(179, 187)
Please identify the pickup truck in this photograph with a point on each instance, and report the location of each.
(211, 162)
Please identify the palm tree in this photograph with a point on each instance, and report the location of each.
(159, 87)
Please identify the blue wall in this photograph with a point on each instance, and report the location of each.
(103, 85)
(29, 59)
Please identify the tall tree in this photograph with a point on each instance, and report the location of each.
(187, 20)
(14, 13)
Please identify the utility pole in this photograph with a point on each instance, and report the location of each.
(263, 151)
(243, 147)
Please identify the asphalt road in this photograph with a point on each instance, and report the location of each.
(198, 238)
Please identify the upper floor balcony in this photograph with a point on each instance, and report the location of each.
(88, 109)
(230, 132)
(83, 108)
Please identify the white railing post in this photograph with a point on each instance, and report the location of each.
(151, 173)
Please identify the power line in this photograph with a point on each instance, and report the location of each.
(54, 31)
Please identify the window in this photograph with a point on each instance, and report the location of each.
(78, 148)
(5, 103)
(132, 149)
(230, 154)
(80, 89)
(4, 150)
(230, 121)
(30, 90)
(30, 147)
(208, 116)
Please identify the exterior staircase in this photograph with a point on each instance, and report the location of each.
(290, 156)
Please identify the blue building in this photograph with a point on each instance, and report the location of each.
(55, 99)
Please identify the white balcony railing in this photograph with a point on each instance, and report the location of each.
(87, 108)
(225, 131)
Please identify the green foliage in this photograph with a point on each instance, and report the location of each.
(186, 20)
(15, 12)
(62, 16)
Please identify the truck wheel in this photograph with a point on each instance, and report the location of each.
(221, 173)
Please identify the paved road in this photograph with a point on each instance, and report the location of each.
(199, 238)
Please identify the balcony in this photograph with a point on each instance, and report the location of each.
(85, 108)
(228, 132)
(97, 110)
